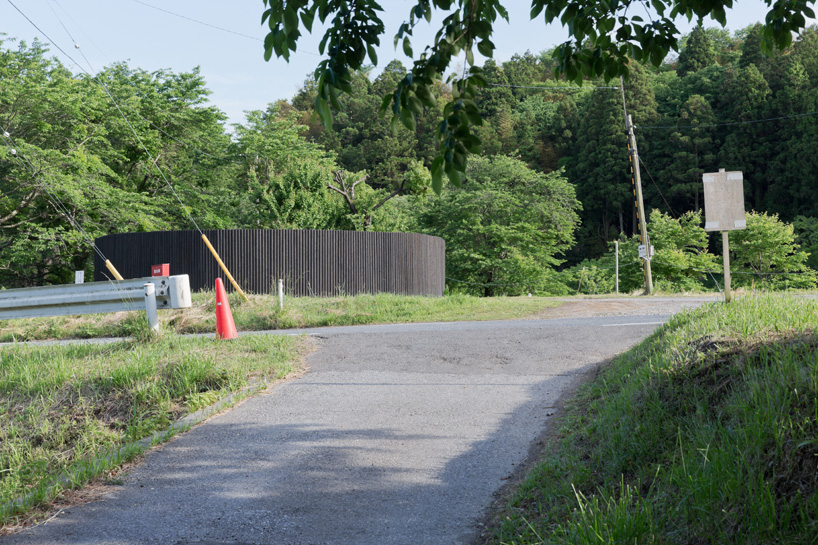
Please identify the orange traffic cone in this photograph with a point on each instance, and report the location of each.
(225, 327)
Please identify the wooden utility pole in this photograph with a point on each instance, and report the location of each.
(637, 192)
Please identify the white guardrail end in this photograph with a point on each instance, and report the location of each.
(94, 297)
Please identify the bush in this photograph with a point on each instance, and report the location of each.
(766, 254)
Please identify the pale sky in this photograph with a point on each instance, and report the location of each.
(231, 56)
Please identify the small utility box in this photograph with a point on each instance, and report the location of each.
(643, 251)
(724, 211)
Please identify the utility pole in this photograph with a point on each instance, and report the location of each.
(637, 192)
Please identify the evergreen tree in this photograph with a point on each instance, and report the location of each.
(746, 147)
(599, 169)
(698, 53)
(693, 152)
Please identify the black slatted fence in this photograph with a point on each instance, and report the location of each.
(310, 262)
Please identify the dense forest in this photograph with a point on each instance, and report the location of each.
(538, 212)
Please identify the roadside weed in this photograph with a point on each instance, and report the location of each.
(66, 412)
(261, 312)
(704, 433)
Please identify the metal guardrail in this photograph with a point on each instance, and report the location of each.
(148, 294)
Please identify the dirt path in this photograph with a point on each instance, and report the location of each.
(587, 308)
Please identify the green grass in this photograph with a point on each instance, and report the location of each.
(67, 411)
(707, 432)
(261, 312)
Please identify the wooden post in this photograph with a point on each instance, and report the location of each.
(725, 244)
(223, 266)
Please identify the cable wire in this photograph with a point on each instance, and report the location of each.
(726, 124)
(185, 17)
(51, 194)
(121, 113)
(541, 88)
(171, 115)
(641, 162)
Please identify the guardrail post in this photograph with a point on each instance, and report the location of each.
(150, 307)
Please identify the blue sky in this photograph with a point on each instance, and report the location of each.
(231, 57)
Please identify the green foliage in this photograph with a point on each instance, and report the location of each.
(504, 227)
(603, 39)
(72, 165)
(765, 254)
(681, 262)
(284, 179)
(698, 53)
(703, 433)
(806, 232)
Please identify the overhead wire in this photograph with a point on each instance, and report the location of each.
(191, 19)
(544, 88)
(116, 105)
(50, 192)
(728, 123)
(144, 147)
(670, 208)
(171, 115)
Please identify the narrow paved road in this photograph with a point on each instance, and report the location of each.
(396, 435)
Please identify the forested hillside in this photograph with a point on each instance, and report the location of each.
(538, 212)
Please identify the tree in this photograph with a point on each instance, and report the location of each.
(697, 54)
(694, 152)
(604, 36)
(766, 253)
(745, 147)
(365, 203)
(284, 177)
(504, 227)
(599, 169)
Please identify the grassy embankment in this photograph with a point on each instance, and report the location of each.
(261, 312)
(707, 432)
(71, 413)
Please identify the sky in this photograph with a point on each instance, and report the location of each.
(225, 40)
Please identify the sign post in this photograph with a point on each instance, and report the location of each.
(724, 211)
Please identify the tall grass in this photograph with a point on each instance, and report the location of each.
(707, 432)
(66, 411)
(261, 312)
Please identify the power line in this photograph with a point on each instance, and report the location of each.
(121, 113)
(209, 25)
(543, 88)
(727, 124)
(136, 91)
(642, 162)
(157, 8)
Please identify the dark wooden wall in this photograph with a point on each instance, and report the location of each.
(309, 262)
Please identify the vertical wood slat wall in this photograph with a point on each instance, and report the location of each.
(310, 262)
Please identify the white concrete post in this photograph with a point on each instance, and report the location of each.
(150, 307)
(616, 246)
(79, 277)
(280, 294)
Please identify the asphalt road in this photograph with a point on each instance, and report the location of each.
(396, 435)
